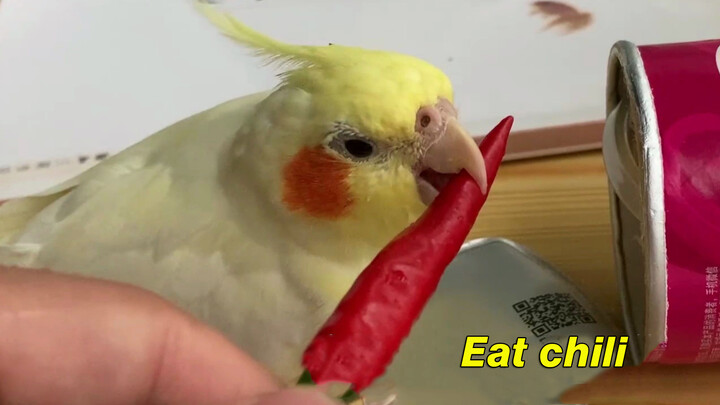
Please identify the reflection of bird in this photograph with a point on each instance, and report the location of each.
(562, 15)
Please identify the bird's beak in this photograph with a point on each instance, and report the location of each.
(455, 151)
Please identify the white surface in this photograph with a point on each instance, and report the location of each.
(87, 76)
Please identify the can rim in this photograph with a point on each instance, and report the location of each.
(625, 60)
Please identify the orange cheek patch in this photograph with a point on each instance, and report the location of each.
(315, 182)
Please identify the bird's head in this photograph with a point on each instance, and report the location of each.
(354, 137)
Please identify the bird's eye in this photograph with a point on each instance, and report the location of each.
(351, 143)
(359, 148)
(425, 121)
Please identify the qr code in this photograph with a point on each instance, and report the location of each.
(549, 312)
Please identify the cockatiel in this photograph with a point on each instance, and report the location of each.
(258, 214)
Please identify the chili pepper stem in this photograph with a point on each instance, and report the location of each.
(306, 379)
(348, 397)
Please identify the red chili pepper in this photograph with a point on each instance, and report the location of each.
(362, 336)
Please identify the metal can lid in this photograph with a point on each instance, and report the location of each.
(621, 160)
(499, 289)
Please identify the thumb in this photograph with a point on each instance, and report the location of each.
(292, 396)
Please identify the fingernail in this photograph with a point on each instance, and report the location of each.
(294, 396)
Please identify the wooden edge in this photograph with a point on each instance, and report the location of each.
(557, 140)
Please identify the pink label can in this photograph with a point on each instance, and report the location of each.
(661, 147)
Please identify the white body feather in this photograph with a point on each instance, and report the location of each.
(197, 212)
(158, 216)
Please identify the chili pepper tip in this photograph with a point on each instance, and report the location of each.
(493, 148)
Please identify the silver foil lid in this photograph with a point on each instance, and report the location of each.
(498, 289)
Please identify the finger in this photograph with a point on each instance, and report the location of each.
(198, 365)
(651, 383)
(69, 339)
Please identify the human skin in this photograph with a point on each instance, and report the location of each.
(73, 340)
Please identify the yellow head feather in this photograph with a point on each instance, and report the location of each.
(378, 92)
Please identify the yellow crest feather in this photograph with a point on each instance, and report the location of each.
(379, 92)
(274, 51)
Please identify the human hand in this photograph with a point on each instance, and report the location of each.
(74, 340)
(650, 384)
